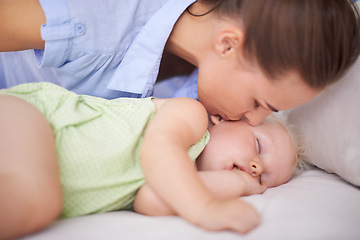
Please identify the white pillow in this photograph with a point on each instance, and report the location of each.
(331, 127)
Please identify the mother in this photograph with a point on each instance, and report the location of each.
(254, 56)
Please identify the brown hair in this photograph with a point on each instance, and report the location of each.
(320, 39)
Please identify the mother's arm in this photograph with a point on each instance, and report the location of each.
(20, 22)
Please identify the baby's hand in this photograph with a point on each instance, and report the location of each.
(251, 184)
(230, 214)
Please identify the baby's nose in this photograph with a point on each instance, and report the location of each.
(256, 168)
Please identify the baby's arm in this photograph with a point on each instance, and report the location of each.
(178, 124)
(222, 184)
(20, 22)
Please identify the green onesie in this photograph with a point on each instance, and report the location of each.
(98, 144)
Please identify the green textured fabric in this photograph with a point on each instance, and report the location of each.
(98, 144)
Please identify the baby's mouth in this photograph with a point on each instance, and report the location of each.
(238, 167)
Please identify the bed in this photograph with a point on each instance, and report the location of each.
(321, 203)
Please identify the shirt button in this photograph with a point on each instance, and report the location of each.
(80, 28)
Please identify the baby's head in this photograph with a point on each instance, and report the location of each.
(267, 152)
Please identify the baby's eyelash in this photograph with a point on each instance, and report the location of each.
(259, 145)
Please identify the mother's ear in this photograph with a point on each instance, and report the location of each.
(229, 39)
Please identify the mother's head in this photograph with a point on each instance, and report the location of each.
(271, 55)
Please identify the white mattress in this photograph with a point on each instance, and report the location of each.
(314, 205)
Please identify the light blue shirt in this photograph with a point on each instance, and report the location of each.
(109, 48)
(178, 86)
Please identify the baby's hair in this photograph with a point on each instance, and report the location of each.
(301, 155)
(319, 39)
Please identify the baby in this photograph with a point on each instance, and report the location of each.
(69, 155)
(236, 155)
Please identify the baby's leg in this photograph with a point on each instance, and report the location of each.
(30, 189)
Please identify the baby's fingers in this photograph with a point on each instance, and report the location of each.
(263, 188)
(234, 214)
(247, 218)
(254, 187)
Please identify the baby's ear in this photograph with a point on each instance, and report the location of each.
(216, 119)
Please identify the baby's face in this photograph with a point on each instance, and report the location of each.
(266, 152)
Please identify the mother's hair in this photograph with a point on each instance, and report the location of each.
(319, 39)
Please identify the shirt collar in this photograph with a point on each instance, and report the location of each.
(139, 68)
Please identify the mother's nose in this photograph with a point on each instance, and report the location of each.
(255, 116)
(256, 168)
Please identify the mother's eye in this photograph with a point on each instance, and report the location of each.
(256, 104)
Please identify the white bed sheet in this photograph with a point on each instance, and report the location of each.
(314, 205)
